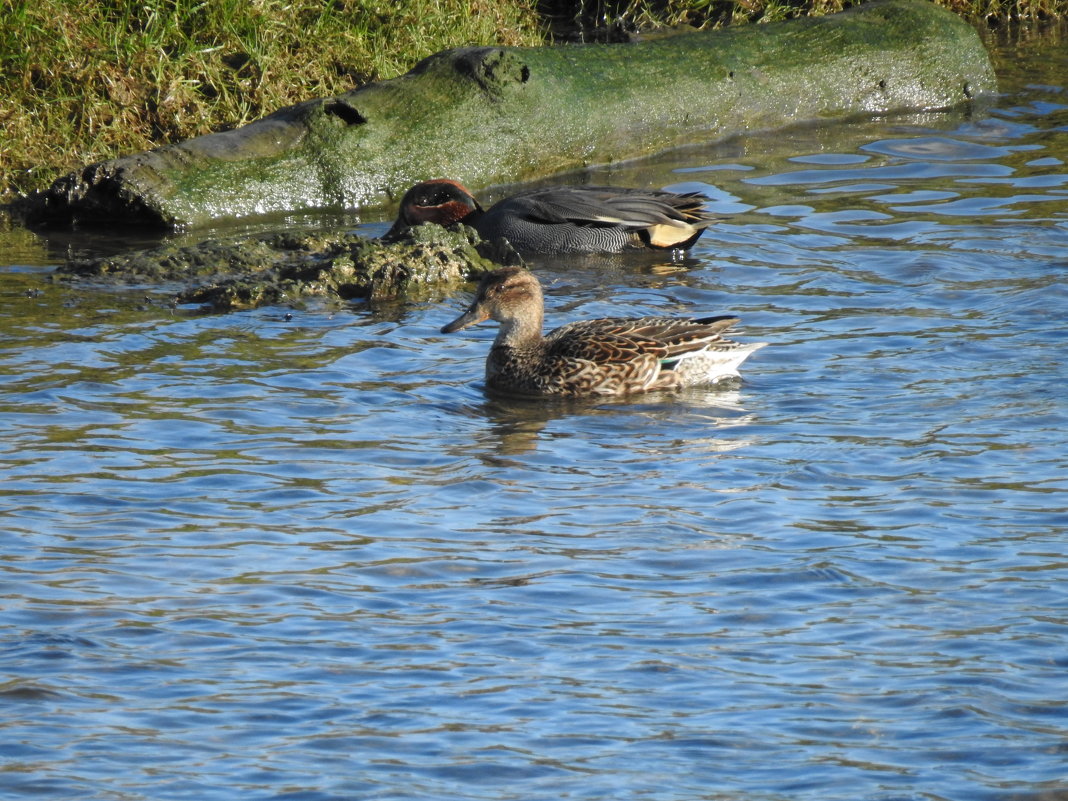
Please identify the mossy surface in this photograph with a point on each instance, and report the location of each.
(224, 275)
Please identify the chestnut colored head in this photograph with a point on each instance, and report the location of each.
(440, 201)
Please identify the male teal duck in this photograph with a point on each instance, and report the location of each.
(614, 356)
(563, 219)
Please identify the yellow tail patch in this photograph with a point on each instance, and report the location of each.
(666, 236)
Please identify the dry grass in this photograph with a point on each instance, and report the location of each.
(592, 18)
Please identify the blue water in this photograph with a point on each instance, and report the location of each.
(252, 557)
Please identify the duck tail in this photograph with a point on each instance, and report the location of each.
(712, 364)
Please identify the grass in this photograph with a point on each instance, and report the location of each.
(636, 14)
(86, 80)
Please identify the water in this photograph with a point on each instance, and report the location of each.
(258, 558)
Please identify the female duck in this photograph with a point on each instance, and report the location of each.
(613, 356)
(563, 219)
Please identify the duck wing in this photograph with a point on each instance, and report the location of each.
(606, 205)
(670, 338)
(586, 359)
(687, 352)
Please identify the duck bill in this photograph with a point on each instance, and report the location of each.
(470, 317)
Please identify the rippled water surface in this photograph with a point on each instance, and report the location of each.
(252, 557)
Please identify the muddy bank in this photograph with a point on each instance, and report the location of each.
(280, 268)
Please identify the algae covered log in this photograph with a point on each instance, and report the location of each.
(486, 115)
(274, 268)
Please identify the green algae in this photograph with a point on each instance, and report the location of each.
(287, 268)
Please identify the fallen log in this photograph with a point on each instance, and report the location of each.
(486, 115)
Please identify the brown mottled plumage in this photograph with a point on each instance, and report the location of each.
(563, 219)
(612, 356)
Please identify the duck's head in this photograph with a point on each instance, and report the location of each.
(509, 296)
(440, 201)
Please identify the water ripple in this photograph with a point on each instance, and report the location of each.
(253, 557)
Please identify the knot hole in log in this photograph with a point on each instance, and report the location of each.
(348, 114)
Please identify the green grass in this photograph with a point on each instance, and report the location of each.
(87, 80)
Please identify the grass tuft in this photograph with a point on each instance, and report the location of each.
(599, 20)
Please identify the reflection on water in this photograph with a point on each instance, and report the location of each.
(266, 557)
